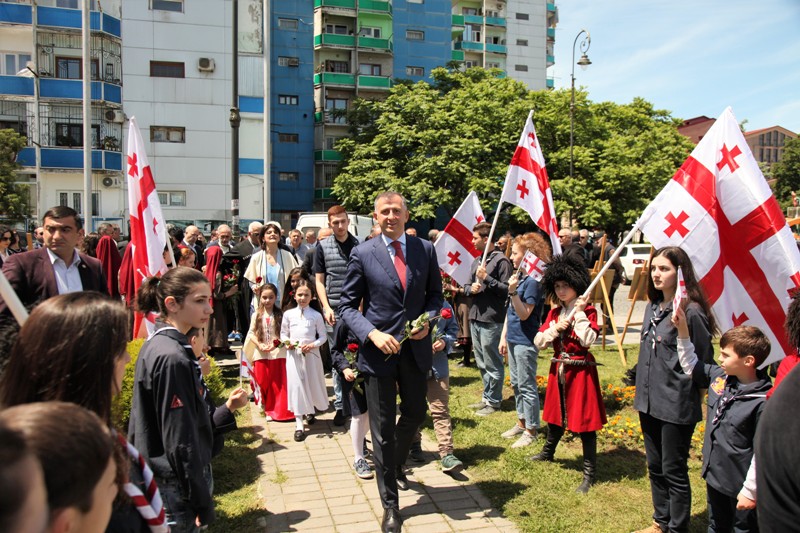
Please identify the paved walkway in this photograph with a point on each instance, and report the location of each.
(310, 486)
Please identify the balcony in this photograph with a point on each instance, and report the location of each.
(496, 48)
(335, 78)
(458, 20)
(59, 89)
(327, 155)
(551, 60)
(343, 4)
(329, 119)
(59, 17)
(496, 21)
(375, 6)
(551, 7)
(468, 45)
(323, 194)
(550, 83)
(71, 158)
(334, 40)
(375, 82)
(457, 55)
(551, 33)
(380, 45)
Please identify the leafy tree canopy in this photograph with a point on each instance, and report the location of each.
(786, 172)
(434, 142)
(13, 197)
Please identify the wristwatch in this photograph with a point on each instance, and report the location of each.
(512, 293)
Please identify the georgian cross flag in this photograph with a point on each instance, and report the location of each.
(246, 371)
(680, 293)
(533, 266)
(454, 244)
(148, 229)
(527, 185)
(720, 210)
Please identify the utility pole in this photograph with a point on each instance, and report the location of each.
(235, 120)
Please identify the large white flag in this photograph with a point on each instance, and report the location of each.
(720, 210)
(454, 244)
(527, 185)
(148, 229)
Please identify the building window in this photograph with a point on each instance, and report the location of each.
(71, 135)
(167, 69)
(288, 176)
(415, 71)
(522, 16)
(167, 134)
(336, 111)
(492, 64)
(337, 66)
(286, 61)
(369, 31)
(172, 198)
(521, 68)
(13, 62)
(469, 11)
(522, 42)
(288, 138)
(168, 5)
(71, 68)
(338, 29)
(287, 24)
(287, 99)
(73, 199)
(330, 142)
(369, 69)
(415, 35)
(415, 1)
(19, 126)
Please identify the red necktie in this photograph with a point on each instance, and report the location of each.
(399, 263)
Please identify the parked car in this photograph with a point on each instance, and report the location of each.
(360, 225)
(633, 256)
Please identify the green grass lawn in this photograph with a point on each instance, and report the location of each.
(540, 497)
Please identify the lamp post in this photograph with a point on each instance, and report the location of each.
(583, 62)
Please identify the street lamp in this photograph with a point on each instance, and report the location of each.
(583, 62)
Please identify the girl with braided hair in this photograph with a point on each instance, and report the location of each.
(573, 400)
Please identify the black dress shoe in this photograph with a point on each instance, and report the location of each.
(402, 480)
(310, 419)
(392, 521)
(338, 418)
(299, 435)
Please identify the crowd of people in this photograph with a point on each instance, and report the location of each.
(383, 320)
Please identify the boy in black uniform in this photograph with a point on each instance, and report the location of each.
(737, 392)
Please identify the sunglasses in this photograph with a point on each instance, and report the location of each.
(5, 238)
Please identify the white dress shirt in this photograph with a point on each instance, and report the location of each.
(68, 278)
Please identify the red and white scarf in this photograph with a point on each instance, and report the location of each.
(149, 505)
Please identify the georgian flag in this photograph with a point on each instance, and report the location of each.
(527, 185)
(148, 229)
(533, 266)
(719, 209)
(246, 371)
(454, 244)
(680, 292)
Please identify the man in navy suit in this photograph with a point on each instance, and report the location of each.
(396, 276)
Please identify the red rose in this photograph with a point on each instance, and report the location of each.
(447, 313)
(276, 343)
(258, 279)
(352, 347)
(235, 261)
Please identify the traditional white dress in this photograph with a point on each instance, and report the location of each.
(304, 373)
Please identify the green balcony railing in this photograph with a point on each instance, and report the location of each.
(376, 6)
(334, 39)
(323, 194)
(468, 45)
(375, 82)
(551, 32)
(347, 4)
(473, 19)
(457, 55)
(496, 48)
(327, 155)
(458, 20)
(496, 21)
(551, 83)
(318, 115)
(375, 44)
(551, 60)
(551, 7)
(334, 78)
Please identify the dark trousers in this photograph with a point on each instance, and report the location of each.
(723, 516)
(666, 446)
(390, 441)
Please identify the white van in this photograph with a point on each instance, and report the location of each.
(360, 225)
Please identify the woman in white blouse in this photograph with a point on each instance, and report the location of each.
(271, 264)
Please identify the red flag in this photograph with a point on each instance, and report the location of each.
(453, 246)
(148, 229)
(720, 210)
(680, 293)
(527, 185)
(533, 266)
(246, 371)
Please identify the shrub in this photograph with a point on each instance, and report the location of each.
(121, 408)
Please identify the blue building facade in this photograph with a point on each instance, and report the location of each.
(422, 38)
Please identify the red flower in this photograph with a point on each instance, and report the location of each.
(447, 313)
(276, 343)
(258, 279)
(235, 261)
(352, 347)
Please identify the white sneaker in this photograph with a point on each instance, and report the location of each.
(513, 432)
(525, 440)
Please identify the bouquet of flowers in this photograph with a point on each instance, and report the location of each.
(416, 325)
(447, 282)
(230, 280)
(351, 354)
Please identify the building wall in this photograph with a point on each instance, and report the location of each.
(433, 19)
(768, 144)
(527, 61)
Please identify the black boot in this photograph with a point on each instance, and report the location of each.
(589, 442)
(554, 434)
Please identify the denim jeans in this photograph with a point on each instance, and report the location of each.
(337, 380)
(522, 366)
(486, 348)
(179, 516)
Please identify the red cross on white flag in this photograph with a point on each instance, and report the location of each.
(533, 266)
(246, 371)
(454, 247)
(148, 229)
(680, 294)
(720, 210)
(527, 185)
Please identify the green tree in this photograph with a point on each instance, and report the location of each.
(786, 172)
(13, 197)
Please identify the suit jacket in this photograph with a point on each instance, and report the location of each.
(371, 276)
(32, 276)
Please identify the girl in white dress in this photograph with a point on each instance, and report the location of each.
(304, 329)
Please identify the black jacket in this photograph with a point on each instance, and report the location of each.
(170, 423)
(489, 305)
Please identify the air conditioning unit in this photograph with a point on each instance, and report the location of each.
(205, 64)
(115, 115)
(294, 61)
(109, 182)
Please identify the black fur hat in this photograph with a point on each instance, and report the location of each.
(564, 268)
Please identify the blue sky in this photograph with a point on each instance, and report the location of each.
(692, 57)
